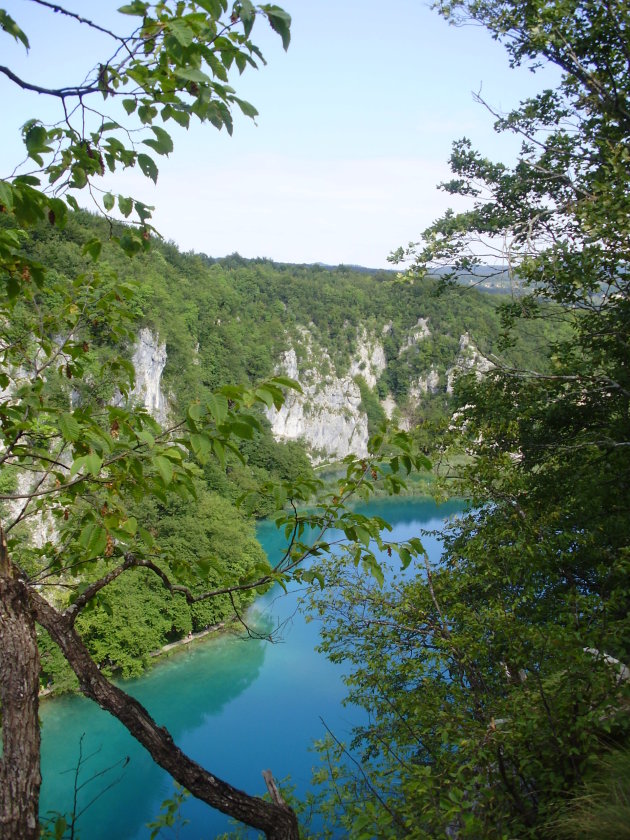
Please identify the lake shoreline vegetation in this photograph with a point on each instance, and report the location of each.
(157, 656)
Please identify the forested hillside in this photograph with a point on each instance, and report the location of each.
(230, 320)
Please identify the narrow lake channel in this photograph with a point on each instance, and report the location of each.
(237, 706)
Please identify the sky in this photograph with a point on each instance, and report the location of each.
(353, 135)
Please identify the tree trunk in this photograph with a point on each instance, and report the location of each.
(276, 821)
(19, 686)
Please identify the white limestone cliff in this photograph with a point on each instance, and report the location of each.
(420, 331)
(369, 361)
(469, 359)
(149, 361)
(389, 406)
(327, 416)
(428, 384)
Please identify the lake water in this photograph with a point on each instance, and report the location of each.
(237, 706)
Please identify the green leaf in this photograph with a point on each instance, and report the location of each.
(77, 465)
(219, 451)
(93, 538)
(93, 464)
(266, 396)
(147, 538)
(146, 437)
(287, 382)
(35, 139)
(6, 195)
(8, 25)
(93, 247)
(79, 178)
(246, 107)
(195, 412)
(148, 167)
(130, 105)
(69, 428)
(164, 467)
(136, 8)
(242, 430)
(248, 16)
(201, 446)
(363, 535)
(108, 201)
(182, 32)
(130, 526)
(280, 22)
(192, 74)
(405, 557)
(60, 828)
(213, 7)
(163, 143)
(125, 205)
(218, 407)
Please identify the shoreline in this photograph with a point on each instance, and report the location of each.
(155, 655)
(191, 637)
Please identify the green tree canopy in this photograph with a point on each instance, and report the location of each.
(495, 679)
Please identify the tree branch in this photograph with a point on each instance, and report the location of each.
(277, 822)
(60, 93)
(75, 608)
(75, 16)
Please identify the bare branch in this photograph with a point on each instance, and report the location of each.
(60, 93)
(59, 9)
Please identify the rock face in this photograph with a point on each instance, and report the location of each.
(420, 331)
(369, 361)
(149, 361)
(389, 406)
(429, 384)
(327, 416)
(468, 359)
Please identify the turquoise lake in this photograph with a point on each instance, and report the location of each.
(238, 706)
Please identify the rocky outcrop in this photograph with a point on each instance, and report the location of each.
(327, 416)
(420, 331)
(389, 406)
(369, 361)
(149, 361)
(469, 359)
(428, 384)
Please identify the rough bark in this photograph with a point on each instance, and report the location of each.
(277, 822)
(19, 684)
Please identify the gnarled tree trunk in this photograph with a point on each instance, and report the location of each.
(19, 686)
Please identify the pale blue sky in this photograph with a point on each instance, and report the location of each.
(355, 128)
